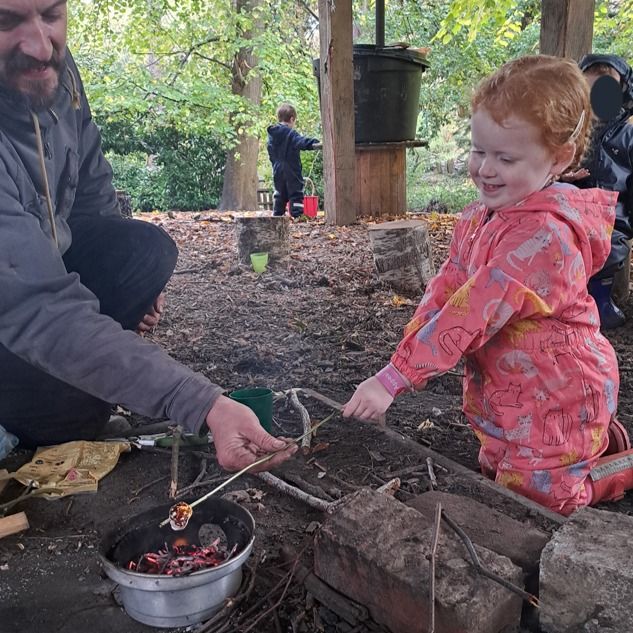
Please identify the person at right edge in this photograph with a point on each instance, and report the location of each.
(609, 165)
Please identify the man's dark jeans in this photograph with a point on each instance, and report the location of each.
(126, 264)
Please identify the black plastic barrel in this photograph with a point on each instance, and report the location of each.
(386, 92)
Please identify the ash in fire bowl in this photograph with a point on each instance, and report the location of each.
(171, 579)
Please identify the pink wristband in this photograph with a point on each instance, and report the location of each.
(393, 381)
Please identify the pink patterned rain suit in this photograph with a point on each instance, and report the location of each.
(541, 381)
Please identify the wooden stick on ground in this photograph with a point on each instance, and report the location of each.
(436, 538)
(531, 599)
(305, 417)
(13, 523)
(452, 466)
(296, 493)
(432, 477)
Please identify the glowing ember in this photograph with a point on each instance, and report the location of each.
(179, 515)
(180, 560)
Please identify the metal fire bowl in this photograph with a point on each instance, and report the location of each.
(165, 601)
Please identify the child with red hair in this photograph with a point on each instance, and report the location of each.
(541, 382)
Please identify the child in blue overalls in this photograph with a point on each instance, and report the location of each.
(284, 147)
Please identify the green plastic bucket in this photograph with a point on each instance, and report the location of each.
(259, 262)
(259, 400)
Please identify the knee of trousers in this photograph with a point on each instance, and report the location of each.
(160, 252)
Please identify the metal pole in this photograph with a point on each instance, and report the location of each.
(380, 23)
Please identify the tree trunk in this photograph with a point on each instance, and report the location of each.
(262, 234)
(239, 190)
(402, 254)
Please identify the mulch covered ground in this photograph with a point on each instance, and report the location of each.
(319, 320)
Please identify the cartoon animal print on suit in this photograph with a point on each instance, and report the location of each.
(590, 410)
(455, 340)
(497, 312)
(488, 427)
(497, 276)
(515, 362)
(557, 428)
(425, 335)
(609, 392)
(564, 241)
(542, 481)
(533, 455)
(522, 430)
(508, 397)
(530, 248)
(540, 282)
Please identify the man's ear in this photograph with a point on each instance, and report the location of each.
(563, 158)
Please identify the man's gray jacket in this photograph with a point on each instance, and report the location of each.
(47, 317)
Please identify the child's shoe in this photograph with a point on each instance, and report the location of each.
(610, 315)
(611, 477)
(619, 441)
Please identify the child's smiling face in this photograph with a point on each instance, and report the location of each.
(508, 162)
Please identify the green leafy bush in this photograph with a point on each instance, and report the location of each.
(440, 192)
(165, 168)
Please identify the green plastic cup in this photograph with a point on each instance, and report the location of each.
(260, 401)
(259, 261)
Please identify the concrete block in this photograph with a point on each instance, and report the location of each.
(487, 527)
(586, 577)
(376, 550)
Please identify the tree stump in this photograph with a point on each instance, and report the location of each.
(262, 234)
(402, 254)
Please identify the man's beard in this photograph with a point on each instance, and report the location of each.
(38, 94)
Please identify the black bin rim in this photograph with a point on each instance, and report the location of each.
(394, 52)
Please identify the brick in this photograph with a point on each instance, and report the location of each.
(488, 527)
(586, 576)
(375, 550)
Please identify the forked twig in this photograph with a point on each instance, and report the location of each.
(436, 537)
(530, 598)
(262, 460)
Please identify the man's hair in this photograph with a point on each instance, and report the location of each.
(285, 112)
(548, 92)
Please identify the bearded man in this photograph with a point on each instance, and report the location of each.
(78, 283)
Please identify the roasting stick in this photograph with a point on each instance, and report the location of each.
(262, 460)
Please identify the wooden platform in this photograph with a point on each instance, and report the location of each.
(381, 175)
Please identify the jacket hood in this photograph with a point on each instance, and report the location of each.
(278, 131)
(620, 66)
(590, 213)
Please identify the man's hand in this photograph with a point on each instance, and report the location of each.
(240, 439)
(369, 402)
(151, 319)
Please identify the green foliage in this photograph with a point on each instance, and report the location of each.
(446, 193)
(176, 170)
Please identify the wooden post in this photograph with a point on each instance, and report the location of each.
(567, 27)
(337, 110)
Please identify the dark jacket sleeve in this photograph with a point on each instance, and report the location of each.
(95, 191)
(49, 319)
(301, 142)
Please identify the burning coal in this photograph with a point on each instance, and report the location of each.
(181, 559)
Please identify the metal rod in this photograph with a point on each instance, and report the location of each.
(380, 23)
(262, 460)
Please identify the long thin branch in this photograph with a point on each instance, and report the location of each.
(531, 599)
(305, 417)
(304, 4)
